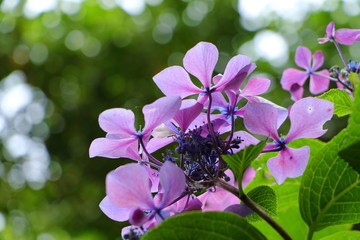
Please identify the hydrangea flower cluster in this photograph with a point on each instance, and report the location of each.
(200, 122)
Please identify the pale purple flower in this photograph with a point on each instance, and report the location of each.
(255, 86)
(294, 79)
(129, 195)
(200, 61)
(307, 116)
(122, 138)
(343, 36)
(218, 199)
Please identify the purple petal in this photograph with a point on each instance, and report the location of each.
(217, 78)
(217, 200)
(154, 178)
(307, 116)
(291, 77)
(114, 212)
(160, 111)
(330, 33)
(318, 60)
(175, 81)
(189, 110)
(239, 209)
(256, 86)
(289, 163)
(296, 92)
(114, 148)
(234, 97)
(303, 57)
(218, 101)
(330, 29)
(319, 84)
(200, 61)
(347, 36)
(156, 143)
(129, 186)
(118, 120)
(235, 72)
(282, 113)
(138, 217)
(172, 180)
(247, 138)
(248, 176)
(261, 118)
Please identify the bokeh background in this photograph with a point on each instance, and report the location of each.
(63, 62)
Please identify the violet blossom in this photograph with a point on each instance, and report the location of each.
(122, 139)
(129, 195)
(294, 79)
(307, 116)
(343, 36)
(200, 61)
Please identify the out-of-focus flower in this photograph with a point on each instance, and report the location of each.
(294, 79)
(343, 36)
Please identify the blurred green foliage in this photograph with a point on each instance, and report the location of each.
(100, 57)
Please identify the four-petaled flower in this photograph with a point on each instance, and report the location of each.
(307, 116)
(200, 61)
(129, 195)
(294, 79)
(122, 138)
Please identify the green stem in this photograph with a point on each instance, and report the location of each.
(310, 234)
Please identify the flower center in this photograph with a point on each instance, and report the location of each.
(281, 145)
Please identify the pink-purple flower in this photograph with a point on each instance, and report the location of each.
(294, 79)
(343, 36)
(200, 61)
(307, 116)
(129, 196)
(122, 139)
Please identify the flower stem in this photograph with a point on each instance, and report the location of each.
(333, 79)
(148, 154)
(340, 53)
(251, 204)
(212, 133)
(232, 125)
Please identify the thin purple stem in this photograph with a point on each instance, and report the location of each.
(333, 79)
(340, 53)
(150, 163)
(211, 130)
(232, 125)
(147, 153)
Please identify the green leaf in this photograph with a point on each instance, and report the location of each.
(207, 225)
(240, 161)
(353, 78)
(342, 101)
(351, 155)
(289, 216)
(350, 149)
(330, 189)
(344, 235)
(265, 197)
